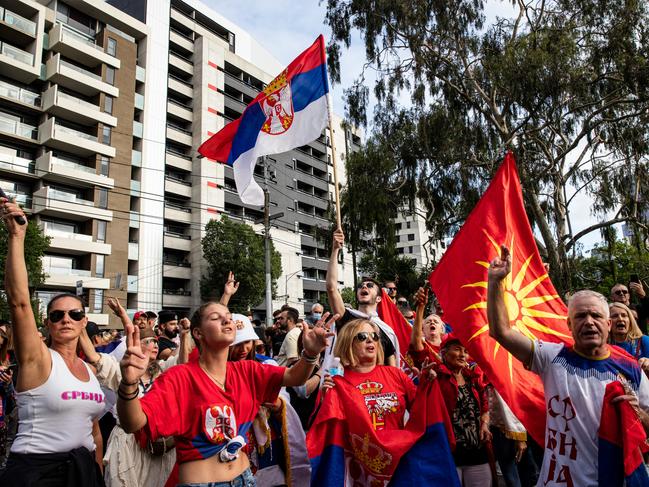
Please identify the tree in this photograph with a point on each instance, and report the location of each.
(232, 246)
(563, 84)
(35, 245)
(385, 264)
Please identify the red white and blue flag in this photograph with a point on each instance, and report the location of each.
(346, 450)
(290, 112)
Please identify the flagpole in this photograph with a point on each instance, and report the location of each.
(334, 158)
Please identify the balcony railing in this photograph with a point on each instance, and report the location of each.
(177, 292)
(18, 164)
(58, 195)
(80, 70)
(18, 128)
(17, 54)
(76, 133)
(81, 103)
(180, 80)
(178, 180)
(10, 91)
(178, 154)
(179, 129)
(74, 165)
(23, 200)
(52, 231)
(174, 206)
(180, 104)
(177, 263)
(69, 33)
(18, 22)
(177, 235)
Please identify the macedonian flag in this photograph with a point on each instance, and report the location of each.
(535, 309)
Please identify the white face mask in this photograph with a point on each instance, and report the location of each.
(316, 316)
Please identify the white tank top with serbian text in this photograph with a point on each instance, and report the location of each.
(57, 416)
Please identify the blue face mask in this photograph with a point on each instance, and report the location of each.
(316, 316)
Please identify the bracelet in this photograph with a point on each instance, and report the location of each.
(127, 396)
(122, 383)
(310, 360)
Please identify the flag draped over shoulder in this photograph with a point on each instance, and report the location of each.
(460, 284)
(290, 112)
(344, 448)
(622, 442)
(390, 315)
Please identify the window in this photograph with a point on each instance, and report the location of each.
(98, 303)
(110, 75)
(103, 198)
(105, 135)
(99, 266)
(397, 238)
(397, 226)
(407, 224)
(108, 104)
(410, 250)
(101, 231)
(111, 47)
(411, 237)
(104, 166)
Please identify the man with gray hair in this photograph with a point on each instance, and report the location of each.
(316, 314)
(575, 379)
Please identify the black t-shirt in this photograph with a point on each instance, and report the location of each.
(388, 347)
(164, 343)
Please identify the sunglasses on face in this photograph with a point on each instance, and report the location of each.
(368, 285)
(58, 314)
(392, 290)
(621, 292)
(364, 335)
(147, 341)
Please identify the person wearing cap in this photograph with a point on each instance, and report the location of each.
(465, 393)
(140, 320)
(168, 326)
(129, 459)
(94, 333)
(368, 295)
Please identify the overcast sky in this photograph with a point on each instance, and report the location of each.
(286, 28)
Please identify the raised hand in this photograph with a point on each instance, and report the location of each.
(421, 297)
(231, 285)
(134, 363)
(339, 239)
(9, 211)
(317, 339)
(115, 306)
(324, 323)
(500, 266)
(638, 289)
(184, 325)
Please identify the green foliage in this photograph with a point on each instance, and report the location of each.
(35, 245)
(349, 295)
(385, 264)
(232, 246)
(565, 85)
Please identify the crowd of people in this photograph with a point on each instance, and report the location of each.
(216, 399)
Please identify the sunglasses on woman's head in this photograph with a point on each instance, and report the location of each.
(74, 314)
(367, 284)
(364, 335)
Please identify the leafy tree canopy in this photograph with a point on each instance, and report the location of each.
(232, 246)
(563, 84)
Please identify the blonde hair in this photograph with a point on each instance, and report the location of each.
(634, 330)
(345, 341)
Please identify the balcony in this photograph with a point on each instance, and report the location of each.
(181, 40)
(73, 243)
(136, 158)
(58, 277)
(182, 64)
(140, 74)
(17, 27)
(138, 129)
(61, 204)
(11, 161)
(70, 140)
(180, 86)
(180, 161)
(64, 105)
(179, 135)
(58, 169)
(139, 101)
(66, 74)
(176, 298)
(17, 129)
(26, 98)
(135, 188)
(131, 284)
(176, 270)
(134, 219)
(177, 241)
(177, 213)
(19, 63)
(176, 186)
(81, 48)
(179, 110)
(133, 251)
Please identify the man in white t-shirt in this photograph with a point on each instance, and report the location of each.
(288, 353)
(574, 379)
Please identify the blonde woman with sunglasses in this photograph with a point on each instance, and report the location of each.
(59, 399)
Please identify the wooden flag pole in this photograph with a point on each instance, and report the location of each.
(334, 159)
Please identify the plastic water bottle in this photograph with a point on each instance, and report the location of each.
(336, 368)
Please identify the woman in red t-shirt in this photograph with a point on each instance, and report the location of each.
(426, 335)
(208, 404)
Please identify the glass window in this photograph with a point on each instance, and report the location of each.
(108, 104)
(101, 231)
(99, 266)
(104, 165)
(103, 198)
(105, 135)
(411, 237)
(110, 75)
(98, 303)
(111, 47)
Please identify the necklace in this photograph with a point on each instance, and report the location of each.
(218, 382)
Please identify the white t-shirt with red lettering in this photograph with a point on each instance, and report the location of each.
(574, 394)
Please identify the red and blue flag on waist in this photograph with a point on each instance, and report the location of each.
(291, 111)
(346, 450)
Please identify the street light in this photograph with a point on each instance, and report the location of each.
(288, 276)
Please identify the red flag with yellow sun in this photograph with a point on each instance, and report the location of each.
(460, 284)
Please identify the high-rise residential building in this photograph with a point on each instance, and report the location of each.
(71, 83)
(413, 239)
(202, 71)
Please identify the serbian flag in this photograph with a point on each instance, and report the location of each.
(622, 442)
(345, 450)
(391, 316)
(290, 112)
(535, 309)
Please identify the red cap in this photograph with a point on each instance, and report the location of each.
(448, 339)
(139, 314)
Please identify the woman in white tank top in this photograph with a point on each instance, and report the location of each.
(59, 398)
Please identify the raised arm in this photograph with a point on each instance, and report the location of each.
(120, 312)
(514, 341)
(133, 365)
(335, 299)
(31, 352)
(186, 342)
(417, 334)
(230, 289)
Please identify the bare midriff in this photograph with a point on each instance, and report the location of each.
(212, 469)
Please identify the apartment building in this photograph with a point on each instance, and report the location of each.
(202, 71)
(413, 239)
(70, 84)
